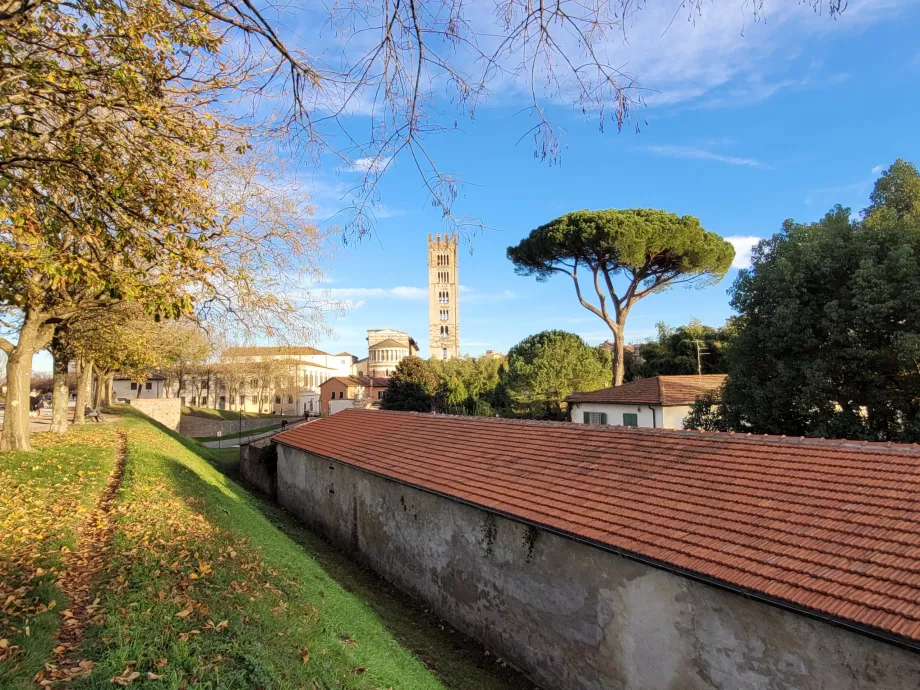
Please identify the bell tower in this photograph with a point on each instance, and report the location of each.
(443, 297)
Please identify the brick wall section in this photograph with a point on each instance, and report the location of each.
(258, 466)
(166, 411)
(196, 427)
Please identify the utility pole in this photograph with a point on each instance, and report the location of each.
(699, 356)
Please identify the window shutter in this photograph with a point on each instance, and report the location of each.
(587, 417)
(603, 417)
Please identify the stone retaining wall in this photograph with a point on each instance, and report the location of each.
(166, 411)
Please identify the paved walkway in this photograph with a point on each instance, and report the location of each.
(43, 421)
(245, 440)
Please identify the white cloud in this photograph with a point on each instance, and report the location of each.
(469, 294)
(702, 154)
(374, 165)
(400, 292)
(743, 245)
(877, 170)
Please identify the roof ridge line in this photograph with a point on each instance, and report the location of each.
(733, 436)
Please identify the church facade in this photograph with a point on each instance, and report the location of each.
(443, 297)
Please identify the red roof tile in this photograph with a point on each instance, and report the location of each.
(656, 390)
(829, 526)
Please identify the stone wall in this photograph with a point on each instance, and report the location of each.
(196, 427)
(571, 615)
(166, 411)
(258, 466)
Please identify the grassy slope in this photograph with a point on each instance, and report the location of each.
(205, 592)
(44, 496)
(231, 415)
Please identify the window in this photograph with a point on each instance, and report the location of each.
(290, 399)
(595, 418)
(332, 397)
(630, 419)
(277, 399)
(134, 385)
(341, 394)
(242, 400)
(443, 353)
(149, 385)
(379, 395)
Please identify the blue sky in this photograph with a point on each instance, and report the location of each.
(748, 124)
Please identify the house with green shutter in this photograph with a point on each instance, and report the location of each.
(661, 402)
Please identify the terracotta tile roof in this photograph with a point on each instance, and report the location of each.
(828, 527)
(361, 380)
(656, 390)
(262, 351)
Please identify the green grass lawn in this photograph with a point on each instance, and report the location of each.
(231, 415)
(209, 587)
(251, 432)
(44, 496)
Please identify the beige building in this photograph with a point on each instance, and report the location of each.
(659, 401)
(443, 297)
(124, 389)
(283, 380)
(386, 348)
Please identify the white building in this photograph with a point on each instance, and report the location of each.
(660, 401)
(281, 379)
(124, 389)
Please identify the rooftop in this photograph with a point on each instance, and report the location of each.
(389, 342)
(831, 528)
(263, 351)
(656, 390)
(360, 380)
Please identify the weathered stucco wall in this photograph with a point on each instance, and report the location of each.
(258, 466)
(166, 411)
(573, 616)
(202, 426)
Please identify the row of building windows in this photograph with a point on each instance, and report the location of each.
(629, 418)
(443, 277)
(443, 298)
(444, 314)
(388, 355)
(443, 259)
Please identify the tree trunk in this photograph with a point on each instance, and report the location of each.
(60, 391)
(619, 356)
(15, 434)
(84, 389)
(108, 382)
(33, 336)
(99, 398)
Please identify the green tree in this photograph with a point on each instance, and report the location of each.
(545, 368)
(828, 337)
(412, 388)
(626, 255)
(675, 351)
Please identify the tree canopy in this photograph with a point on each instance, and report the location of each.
(828, 337)
(543, 369)
(625, 255)
(675, 351)
(412, 387)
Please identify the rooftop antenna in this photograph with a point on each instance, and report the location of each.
(700, 353)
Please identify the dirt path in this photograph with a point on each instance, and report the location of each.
(78, 577)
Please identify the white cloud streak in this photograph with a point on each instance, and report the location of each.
(703, 154)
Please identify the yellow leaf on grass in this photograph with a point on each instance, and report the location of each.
(185, 613)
